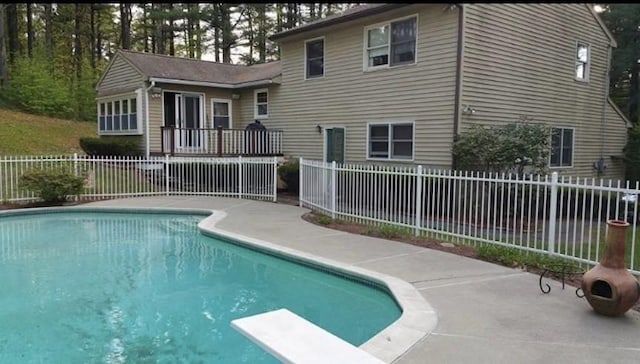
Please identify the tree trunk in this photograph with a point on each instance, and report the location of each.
(98, 42)
(48, 32)
(171, 34)
(4, 73)
(198, 40)
(159, 22)
(92, 37)
(77, 44)
(145, 30)
(227, 33)
(30, 34)
(262, 33)
(11, 11)
(634, 95)
(125, 25)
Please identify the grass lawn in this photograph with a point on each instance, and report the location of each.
(27, 134)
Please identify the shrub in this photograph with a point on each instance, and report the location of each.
(508, 148)
(393, 232)
(52, 186)
(112, 146)
(289, 172)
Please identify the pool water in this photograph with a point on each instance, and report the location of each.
(150, 288)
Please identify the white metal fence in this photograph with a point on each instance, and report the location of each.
(113, 177)
(561, 216)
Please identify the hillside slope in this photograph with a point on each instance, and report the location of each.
(27, 134)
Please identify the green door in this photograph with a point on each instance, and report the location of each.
(335, 145)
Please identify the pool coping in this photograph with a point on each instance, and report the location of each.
(418, 318)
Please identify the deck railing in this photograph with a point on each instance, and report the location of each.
(115, 177)
(221, 142)
(560, 216)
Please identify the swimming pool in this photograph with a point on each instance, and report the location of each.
(129, 287)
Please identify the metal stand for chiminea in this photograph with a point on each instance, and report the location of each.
(561, 272)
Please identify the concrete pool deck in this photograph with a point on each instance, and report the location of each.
(486, 313)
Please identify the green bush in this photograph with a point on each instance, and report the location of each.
(52, 186)
(393, 232)
(507, 148)
(110, 146)
(289, 172)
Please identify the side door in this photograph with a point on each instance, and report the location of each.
(334, 145)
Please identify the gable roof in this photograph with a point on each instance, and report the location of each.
(178, 69)
(356, 12)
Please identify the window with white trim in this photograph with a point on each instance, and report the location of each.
(391, 44)
(561, 147)
(118, 116)
(314, 58)
(582, 61)
(261, 109)
(390, 141)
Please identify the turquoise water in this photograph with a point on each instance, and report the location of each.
(149, 288)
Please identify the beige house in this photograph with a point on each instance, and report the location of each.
(173, 105)
(394, 83)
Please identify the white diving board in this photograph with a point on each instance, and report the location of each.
(292, 339)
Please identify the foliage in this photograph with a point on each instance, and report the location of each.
(110, 146)
(289, 172)
(623, 20)
(324, 220)
(389, 231)
(34, 88)
(52, 186)
(632, 155)
(512, 257)
(509, 148)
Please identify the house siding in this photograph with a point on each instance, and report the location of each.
(120, 78)
(519, 64)
(349, 97)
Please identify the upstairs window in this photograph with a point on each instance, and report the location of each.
(582, 61)
(391, 44)
(261, 104)
(561, 147)
(314, 58)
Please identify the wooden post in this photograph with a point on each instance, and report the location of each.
(219, 141)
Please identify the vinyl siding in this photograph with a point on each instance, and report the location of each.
(156, 113)
(519, 62)
(119, 78)
(349, 97)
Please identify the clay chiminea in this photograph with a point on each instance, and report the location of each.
(609, 287)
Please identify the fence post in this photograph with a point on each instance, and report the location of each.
(166, 174)
(300, 181)
(418, 213)
(333, 189)
(275, 179)
(552, 213)
(240, 176)
(75, 171)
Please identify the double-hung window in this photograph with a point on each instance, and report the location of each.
(261, 108)
(582, 61)
(314, 58)
(118, 116)
(561, 147)
(391, 44)
(390, 141)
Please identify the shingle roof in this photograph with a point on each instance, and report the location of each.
(187, 69)
(347, 15)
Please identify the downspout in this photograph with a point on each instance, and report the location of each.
(458, 90)
(601, 164)
(146, 112)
